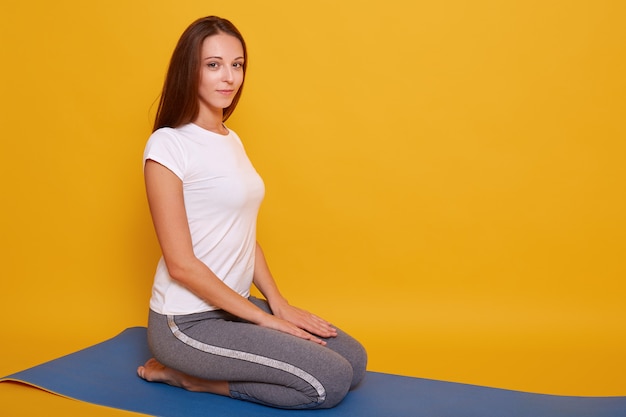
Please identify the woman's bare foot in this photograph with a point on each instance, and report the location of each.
(154, 371)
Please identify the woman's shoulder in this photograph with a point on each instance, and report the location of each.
(165, 132)
(169, 136)
(165, 140)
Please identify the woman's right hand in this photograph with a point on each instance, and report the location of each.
(273, 322)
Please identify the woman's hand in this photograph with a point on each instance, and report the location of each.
(276, 323)
(304, 320)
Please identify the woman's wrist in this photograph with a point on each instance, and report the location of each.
(277, 303)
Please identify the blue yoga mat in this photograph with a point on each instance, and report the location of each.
(104, 374)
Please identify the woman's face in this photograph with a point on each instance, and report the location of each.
(221, 71)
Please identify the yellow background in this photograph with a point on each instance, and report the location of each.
(445, 180)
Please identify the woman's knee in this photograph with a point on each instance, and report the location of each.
(337, 384)
(359, 365)
(354, 352)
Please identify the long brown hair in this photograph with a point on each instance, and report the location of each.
(179, 104)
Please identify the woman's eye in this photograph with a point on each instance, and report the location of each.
(238, 65)
(213, 65)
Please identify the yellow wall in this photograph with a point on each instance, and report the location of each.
(445, 179)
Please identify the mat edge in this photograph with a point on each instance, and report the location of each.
(27, 384)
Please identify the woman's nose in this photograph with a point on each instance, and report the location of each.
(227, 74)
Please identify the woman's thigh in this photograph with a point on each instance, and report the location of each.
(219, 348)
(345, 345)
(258, 360)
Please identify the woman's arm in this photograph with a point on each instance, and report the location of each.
(165, 198)
(265, 282)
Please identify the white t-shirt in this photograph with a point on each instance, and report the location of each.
(222, 194)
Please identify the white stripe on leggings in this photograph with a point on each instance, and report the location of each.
(250, 357)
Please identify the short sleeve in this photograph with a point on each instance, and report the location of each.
(165, 147)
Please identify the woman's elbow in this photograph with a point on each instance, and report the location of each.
(180, 271)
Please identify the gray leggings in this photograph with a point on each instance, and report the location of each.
(261, 365)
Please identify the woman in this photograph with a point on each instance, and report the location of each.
(205, 331)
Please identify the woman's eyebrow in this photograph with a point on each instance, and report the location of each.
(219, 57)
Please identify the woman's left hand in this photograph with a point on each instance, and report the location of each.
(305, 320)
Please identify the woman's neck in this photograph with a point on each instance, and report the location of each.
(212, 123)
